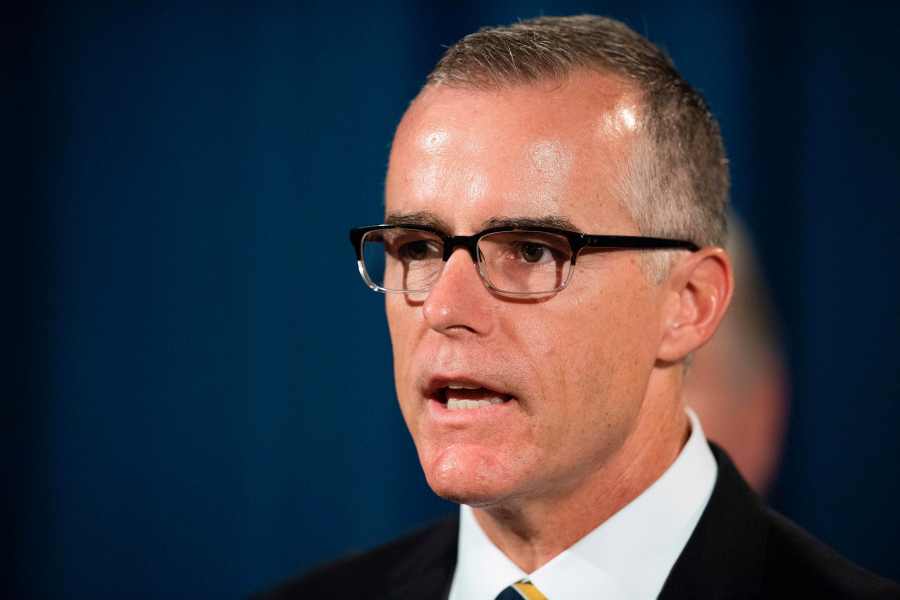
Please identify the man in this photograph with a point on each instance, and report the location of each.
(551, 257)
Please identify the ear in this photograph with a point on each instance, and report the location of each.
(699, 290)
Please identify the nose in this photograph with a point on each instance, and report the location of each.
(459, 302)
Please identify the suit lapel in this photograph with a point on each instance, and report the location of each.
(724, 556)
(427, 570)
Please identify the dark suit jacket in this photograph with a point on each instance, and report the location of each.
(740, 549)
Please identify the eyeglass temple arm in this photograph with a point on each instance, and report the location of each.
(636, 242)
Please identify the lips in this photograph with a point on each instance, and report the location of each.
(465, 393)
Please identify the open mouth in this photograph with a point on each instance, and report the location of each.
(457, 396)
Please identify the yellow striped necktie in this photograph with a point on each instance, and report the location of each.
(521, 589)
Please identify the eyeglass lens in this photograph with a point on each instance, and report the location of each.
(514, 262)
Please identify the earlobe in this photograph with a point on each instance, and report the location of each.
(700, 289)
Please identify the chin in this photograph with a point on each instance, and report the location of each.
(462, 490)
(467, 476)
(466, 493)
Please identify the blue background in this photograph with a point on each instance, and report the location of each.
(200, 400)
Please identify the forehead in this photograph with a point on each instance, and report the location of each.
(557, 148)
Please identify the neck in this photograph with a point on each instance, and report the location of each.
(532, 531)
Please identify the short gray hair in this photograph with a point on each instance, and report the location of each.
(677, 183)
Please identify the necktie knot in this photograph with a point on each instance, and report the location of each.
(521, 589)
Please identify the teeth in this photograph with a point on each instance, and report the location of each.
(462, 386)
(461, 404)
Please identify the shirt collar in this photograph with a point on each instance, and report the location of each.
(628, 556)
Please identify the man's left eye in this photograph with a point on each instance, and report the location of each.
(532, 252)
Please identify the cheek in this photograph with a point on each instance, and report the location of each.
(401, 320)
(567, 371)
(579, 351)
(402, 328)
(566, 344)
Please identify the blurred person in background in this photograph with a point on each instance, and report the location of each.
(737, 382)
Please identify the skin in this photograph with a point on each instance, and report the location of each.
(594, 370)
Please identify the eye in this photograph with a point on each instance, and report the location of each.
(537, 251)
(532, 252)
(419, 250)
(524, 249)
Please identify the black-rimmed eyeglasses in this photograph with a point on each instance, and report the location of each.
(510, 260)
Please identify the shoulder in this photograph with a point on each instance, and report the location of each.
(373, 573)
(796, 563)
(742, 549)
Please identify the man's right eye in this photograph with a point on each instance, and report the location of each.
(419, 250)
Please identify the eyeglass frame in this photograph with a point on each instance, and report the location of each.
(577, 241)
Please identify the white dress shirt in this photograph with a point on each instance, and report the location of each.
(628, 556)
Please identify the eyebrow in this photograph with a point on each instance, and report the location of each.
(555, 221)
(430, 219)
(424, 217)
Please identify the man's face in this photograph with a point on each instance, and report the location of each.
(571, 369)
